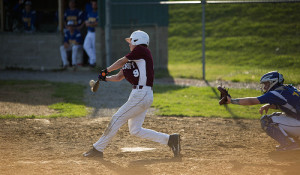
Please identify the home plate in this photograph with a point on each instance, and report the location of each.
(136, 149)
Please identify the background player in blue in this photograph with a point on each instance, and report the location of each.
(28, 18)
(89, 42)
(284, 127)
(88, 6)
(75, 15)
(17, 16)
(137, 68)
(72, 42)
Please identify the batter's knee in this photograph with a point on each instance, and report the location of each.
(265, 121)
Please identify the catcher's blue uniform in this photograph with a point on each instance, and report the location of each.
(286, 98)
(283, 127)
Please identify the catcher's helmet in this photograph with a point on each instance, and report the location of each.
(274, 78)
(138, 37)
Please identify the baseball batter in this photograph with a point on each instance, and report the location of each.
(284, 127)
(137, 68)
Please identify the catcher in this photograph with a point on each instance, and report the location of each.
(137, 69)
(284, 127)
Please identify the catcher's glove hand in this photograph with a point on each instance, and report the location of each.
(224, 94)
(102, 75)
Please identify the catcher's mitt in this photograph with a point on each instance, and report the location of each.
(224, 94)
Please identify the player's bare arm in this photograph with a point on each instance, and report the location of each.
(118, 64)
(243, 101)
(91, 24)
(118, 77)
(94, 24)
(87, 23)
(115, 66)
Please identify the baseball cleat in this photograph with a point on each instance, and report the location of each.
(174, 144)
(291, 147)
(93, 153)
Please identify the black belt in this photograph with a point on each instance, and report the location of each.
(138, 87)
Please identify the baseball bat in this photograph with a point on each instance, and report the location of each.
(94, 85)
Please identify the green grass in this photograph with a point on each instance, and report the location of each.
(73, 105)
(230, 72)
(72, 95)
(243, 37)
(201, 101)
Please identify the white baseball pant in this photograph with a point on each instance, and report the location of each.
(133, 111)
(89, 46)
(63, 53)
(288, 124)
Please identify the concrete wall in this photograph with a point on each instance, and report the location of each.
(41, 50)
(30, 51)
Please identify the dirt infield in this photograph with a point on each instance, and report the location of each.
(209, 146)
(55, 146)
(31, 100)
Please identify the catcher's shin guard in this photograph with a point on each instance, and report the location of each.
(274, 131)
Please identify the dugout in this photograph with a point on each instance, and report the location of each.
(40, 50)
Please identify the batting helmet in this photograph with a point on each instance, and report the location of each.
(138, 37)
(274, 78)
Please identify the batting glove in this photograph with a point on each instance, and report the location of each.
(102, 75)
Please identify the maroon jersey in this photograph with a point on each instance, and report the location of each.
(139, 69)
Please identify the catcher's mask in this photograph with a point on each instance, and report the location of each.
(270, 81)
(138, 37)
